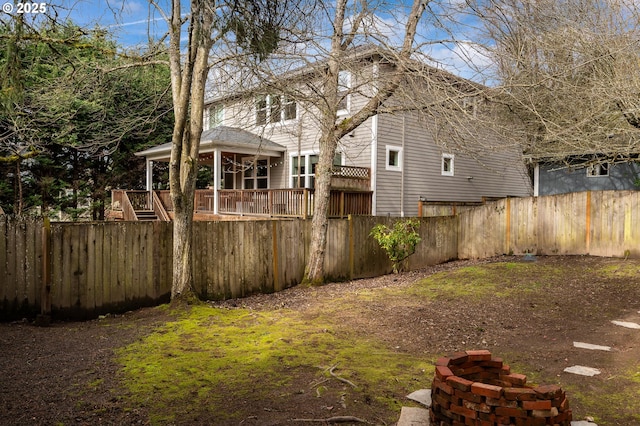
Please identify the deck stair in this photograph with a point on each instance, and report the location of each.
(144, 215)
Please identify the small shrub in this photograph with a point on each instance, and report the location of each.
(399, 242)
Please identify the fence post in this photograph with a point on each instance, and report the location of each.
(508, 226)
(274, 247)
(588, 222)
(45, 292)
(351, 247)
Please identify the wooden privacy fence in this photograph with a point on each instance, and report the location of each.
(79, 270)
(599, 223)
(99, 267)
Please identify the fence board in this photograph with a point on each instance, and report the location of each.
(106, 266)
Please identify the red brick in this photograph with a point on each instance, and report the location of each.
(468, 396)
(442, 401)
(479, 355)
(520, 394)
(463, 372)
(506, 369)
(494, 362)
(463, 411)
(545, 413)
(486, 390)
(510, 412)
(490, 417)
(548, 391)
(443, 361)
(443, 387)
(543, 404)
(458, 358)
(479, 407)
(515, 379)
(501, 402)
(443, 372)
(564, 405)
(459, 383)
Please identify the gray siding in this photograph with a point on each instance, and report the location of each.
(621, 177)
(494, 174)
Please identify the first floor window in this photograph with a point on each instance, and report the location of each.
(601, 169)
(303, 169)
(447, 164)
(394, 158)
(255, 173)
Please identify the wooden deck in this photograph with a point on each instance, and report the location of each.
(285, 203)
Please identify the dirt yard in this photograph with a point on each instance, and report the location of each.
(66, 374)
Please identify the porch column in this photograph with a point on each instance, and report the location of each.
(217, 161)
(149, 175)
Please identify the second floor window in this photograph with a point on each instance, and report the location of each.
(344, 86)
(275, 109)
(216, 115)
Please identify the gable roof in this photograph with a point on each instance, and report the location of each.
(222, 138)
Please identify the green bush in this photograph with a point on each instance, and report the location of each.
(399, 242)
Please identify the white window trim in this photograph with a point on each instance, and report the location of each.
(207, 116)
(268, 111)
(399, 150)
(306, 155)
(307, 165)
(449, 172)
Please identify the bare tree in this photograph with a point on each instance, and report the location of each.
(569, 75)
(255, 28)
(332, 130)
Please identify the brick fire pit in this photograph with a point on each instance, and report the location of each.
(474, 388)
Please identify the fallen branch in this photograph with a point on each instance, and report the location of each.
(335, 419)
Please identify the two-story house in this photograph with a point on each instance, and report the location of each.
(262, 146)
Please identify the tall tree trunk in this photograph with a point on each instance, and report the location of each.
(188, 78)
(332, 132)
(314, 273)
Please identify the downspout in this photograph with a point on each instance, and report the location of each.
(374, 162)
(402, 168)
(374, 151)
(536, 180)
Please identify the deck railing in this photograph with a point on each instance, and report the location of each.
(291, 202)
(295, 202)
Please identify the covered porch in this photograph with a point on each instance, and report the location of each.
(248, 178)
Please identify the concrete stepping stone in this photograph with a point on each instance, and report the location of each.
(582, 423)
(423, 396)
(583, 345)
(627, 324)
(413, 416)
(582, 370)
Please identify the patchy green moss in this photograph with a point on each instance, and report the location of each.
(208, 349)
(616, 400)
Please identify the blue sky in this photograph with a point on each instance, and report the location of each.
(131, 22)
